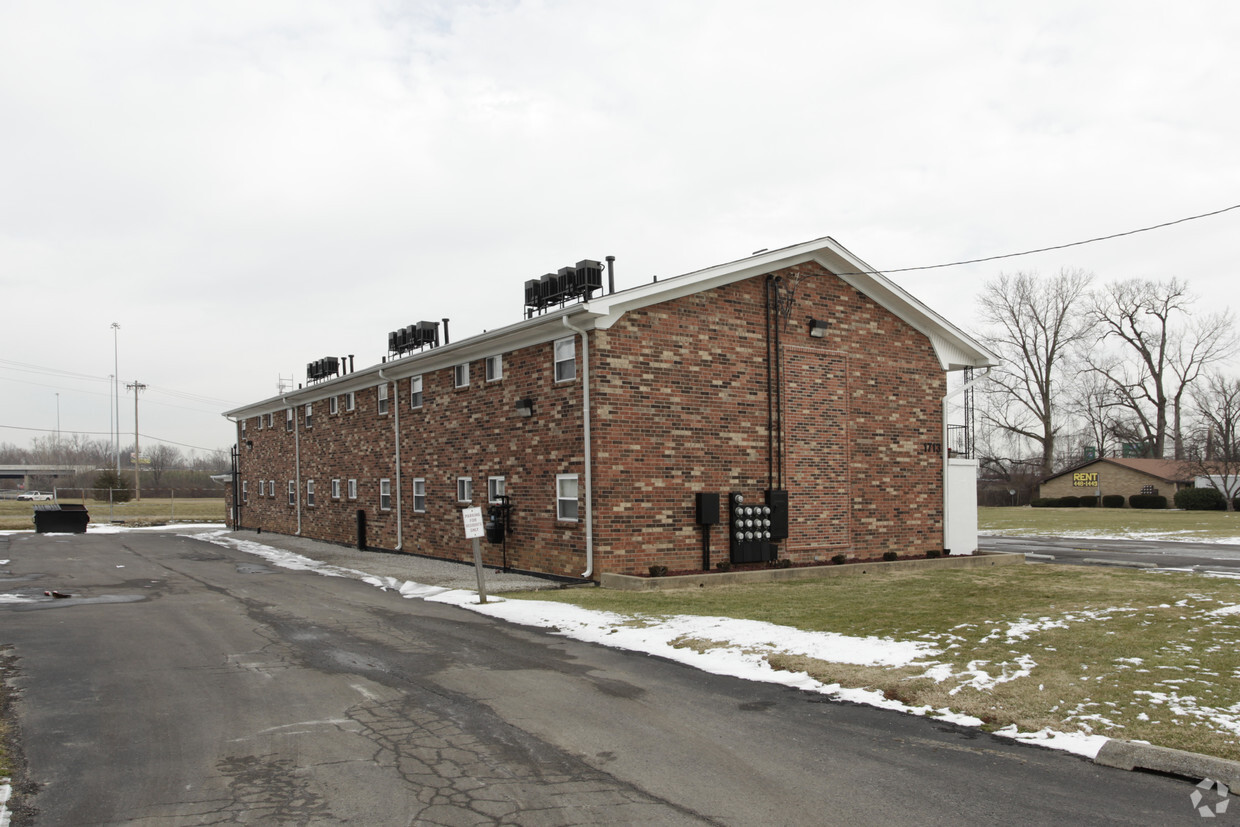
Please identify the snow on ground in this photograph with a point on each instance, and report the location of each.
(1187, 535)
(728, 646)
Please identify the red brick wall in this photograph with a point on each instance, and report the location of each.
(679, 404)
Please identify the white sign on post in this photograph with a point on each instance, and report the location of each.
(473, 523)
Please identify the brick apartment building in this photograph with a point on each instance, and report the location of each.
(600, 420)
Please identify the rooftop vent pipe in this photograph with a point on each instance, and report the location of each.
(611, 274)
(445, 332)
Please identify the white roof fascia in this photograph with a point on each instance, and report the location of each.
(526, 333)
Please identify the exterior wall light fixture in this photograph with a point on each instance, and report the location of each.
(525, 407)
(817, 328)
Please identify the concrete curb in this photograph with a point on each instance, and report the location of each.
(632, 583)
(1125, 755)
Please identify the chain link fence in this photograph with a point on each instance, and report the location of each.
(156, 506)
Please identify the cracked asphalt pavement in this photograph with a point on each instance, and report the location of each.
(187, 683)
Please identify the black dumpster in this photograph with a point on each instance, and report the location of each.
(69, 518)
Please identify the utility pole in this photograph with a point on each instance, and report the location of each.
(137, 453)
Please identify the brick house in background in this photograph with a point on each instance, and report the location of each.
(797, 370)
(1125, 477)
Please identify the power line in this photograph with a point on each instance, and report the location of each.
(1046, 249)
(102, 433)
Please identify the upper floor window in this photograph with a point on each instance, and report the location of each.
(460, 375)
(262, 488)
(243, 428)
(415, 392)
(565, 359)
(333, 405)
(310, 493)
(245, 491)
(495, 368)
(566, 497)
(350, 401)
(292, 492)
(335, 489)
(271, 420)
(353, 489)
(383, 399)
(288, 419)
(309, 416)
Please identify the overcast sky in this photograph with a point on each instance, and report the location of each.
(246, 187)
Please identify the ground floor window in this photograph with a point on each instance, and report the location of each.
(310, 493)
(419, 495)
(496, 488)
(464, 489)
(335, 489)
(245, 491)
(566, 497)
(385, 495)
(292, 493)
(353, 489)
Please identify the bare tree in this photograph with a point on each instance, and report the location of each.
(1033, 325)
(162, 457)
(1216, 455)
(1143, 317)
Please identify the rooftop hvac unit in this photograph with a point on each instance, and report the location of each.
(426, 333)
(589, 277)
(393, 341)
(547, 289)
(566, 283)
(531, 294)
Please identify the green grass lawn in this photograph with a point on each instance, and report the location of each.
(1126, 654)
(1118, 522)
(18, 515)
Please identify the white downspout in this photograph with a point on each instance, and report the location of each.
(296, 460)
(396, 428)
(946, 467)
(585, 401)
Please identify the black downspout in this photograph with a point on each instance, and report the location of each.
(779, 391)
(770, 412)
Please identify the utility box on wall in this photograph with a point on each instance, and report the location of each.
(749, 531)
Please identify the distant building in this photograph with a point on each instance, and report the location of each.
(1125, 477)
(797, 378)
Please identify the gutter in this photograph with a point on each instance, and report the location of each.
(396, 431)
(585, 377)
(946, 453)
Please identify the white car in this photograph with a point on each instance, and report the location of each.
(34, 495)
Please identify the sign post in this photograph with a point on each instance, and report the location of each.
(475, 530)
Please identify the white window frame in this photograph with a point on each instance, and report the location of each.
(496, 488)
(561, 500)
(495, 367)
(292, 492)
(415, 391)
(464, 489)
(381, 406)
(353, 489)
(568, 362)
(419, 495)
(333, 405)
(271, 420)
(350, 401)
(245, 491)
(262, 488)
(243, 427)
(335, 489)
(385, 494)
(309, 493)
(309, 415)
(271, 489)
(460, 375)
(259, 422)
(288, 419)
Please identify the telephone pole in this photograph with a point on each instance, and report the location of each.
(137, 453)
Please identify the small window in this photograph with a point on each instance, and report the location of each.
(245, 491)
(565, 359)
(385, 495)
(262, 488)
(461, 375)
(566, 497)
(258, 422)
(383, 399)
(415, 392)
(292, 493)
(309, 416)
(419, 495)
(353, 489)
(288, 419)
(495, 368)
(271, 489)
(333, 405)
(243, 427)
(495, 489)
(350, 401)
(335, 489)
(309, 493)
(464, 489)
(271, 420)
